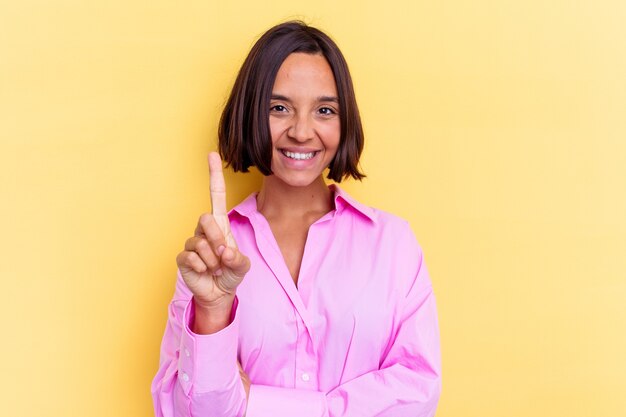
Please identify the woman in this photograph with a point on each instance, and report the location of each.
(300, 301)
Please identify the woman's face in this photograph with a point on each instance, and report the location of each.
(304, 119)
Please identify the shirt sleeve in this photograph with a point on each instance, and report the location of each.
(408, 382)
(198, 374)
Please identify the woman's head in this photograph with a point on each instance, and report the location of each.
(244, 133)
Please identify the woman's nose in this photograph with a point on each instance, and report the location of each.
(301, 128)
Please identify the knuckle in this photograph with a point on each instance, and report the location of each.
(205, 219)
(182, 258)
(202, 245)
(189, 243)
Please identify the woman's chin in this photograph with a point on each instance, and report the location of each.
(298, 179)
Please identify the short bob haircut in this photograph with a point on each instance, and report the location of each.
(244, 132)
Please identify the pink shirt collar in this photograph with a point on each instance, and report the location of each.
(342, 201)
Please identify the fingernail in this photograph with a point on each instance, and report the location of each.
(218, 272)
(220, 250)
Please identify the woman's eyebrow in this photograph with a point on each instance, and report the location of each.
(328, 98)
(319, 99)
(279, 97)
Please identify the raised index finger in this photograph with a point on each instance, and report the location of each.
(218, 187)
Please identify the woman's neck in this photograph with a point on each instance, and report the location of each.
(278, 199)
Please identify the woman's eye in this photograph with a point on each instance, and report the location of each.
(278, 108)
(327, 111)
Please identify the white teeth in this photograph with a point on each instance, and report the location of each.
(299, 156)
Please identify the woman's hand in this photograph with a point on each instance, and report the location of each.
(211, 264)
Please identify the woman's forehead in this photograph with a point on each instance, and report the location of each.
(305, 72)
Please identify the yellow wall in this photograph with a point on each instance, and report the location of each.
(497, 128)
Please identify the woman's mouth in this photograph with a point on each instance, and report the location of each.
(299, 156)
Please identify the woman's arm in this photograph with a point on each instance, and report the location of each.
(198, 374)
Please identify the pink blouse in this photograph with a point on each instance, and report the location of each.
(358, 336)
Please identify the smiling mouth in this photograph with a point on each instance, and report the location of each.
(299, 156)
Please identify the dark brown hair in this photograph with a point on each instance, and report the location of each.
(244, 133)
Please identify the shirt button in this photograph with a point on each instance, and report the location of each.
(186, 352)
(305, 377)
(185, 377)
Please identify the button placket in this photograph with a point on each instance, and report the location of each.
(306, 363)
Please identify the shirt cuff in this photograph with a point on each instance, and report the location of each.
(266, 401)
(208, 362)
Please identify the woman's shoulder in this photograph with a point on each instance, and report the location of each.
(377, 216)
(389, 239)
(383, 224)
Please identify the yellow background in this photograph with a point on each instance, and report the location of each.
(497, 128)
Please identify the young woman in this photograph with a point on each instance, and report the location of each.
(300, 301)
